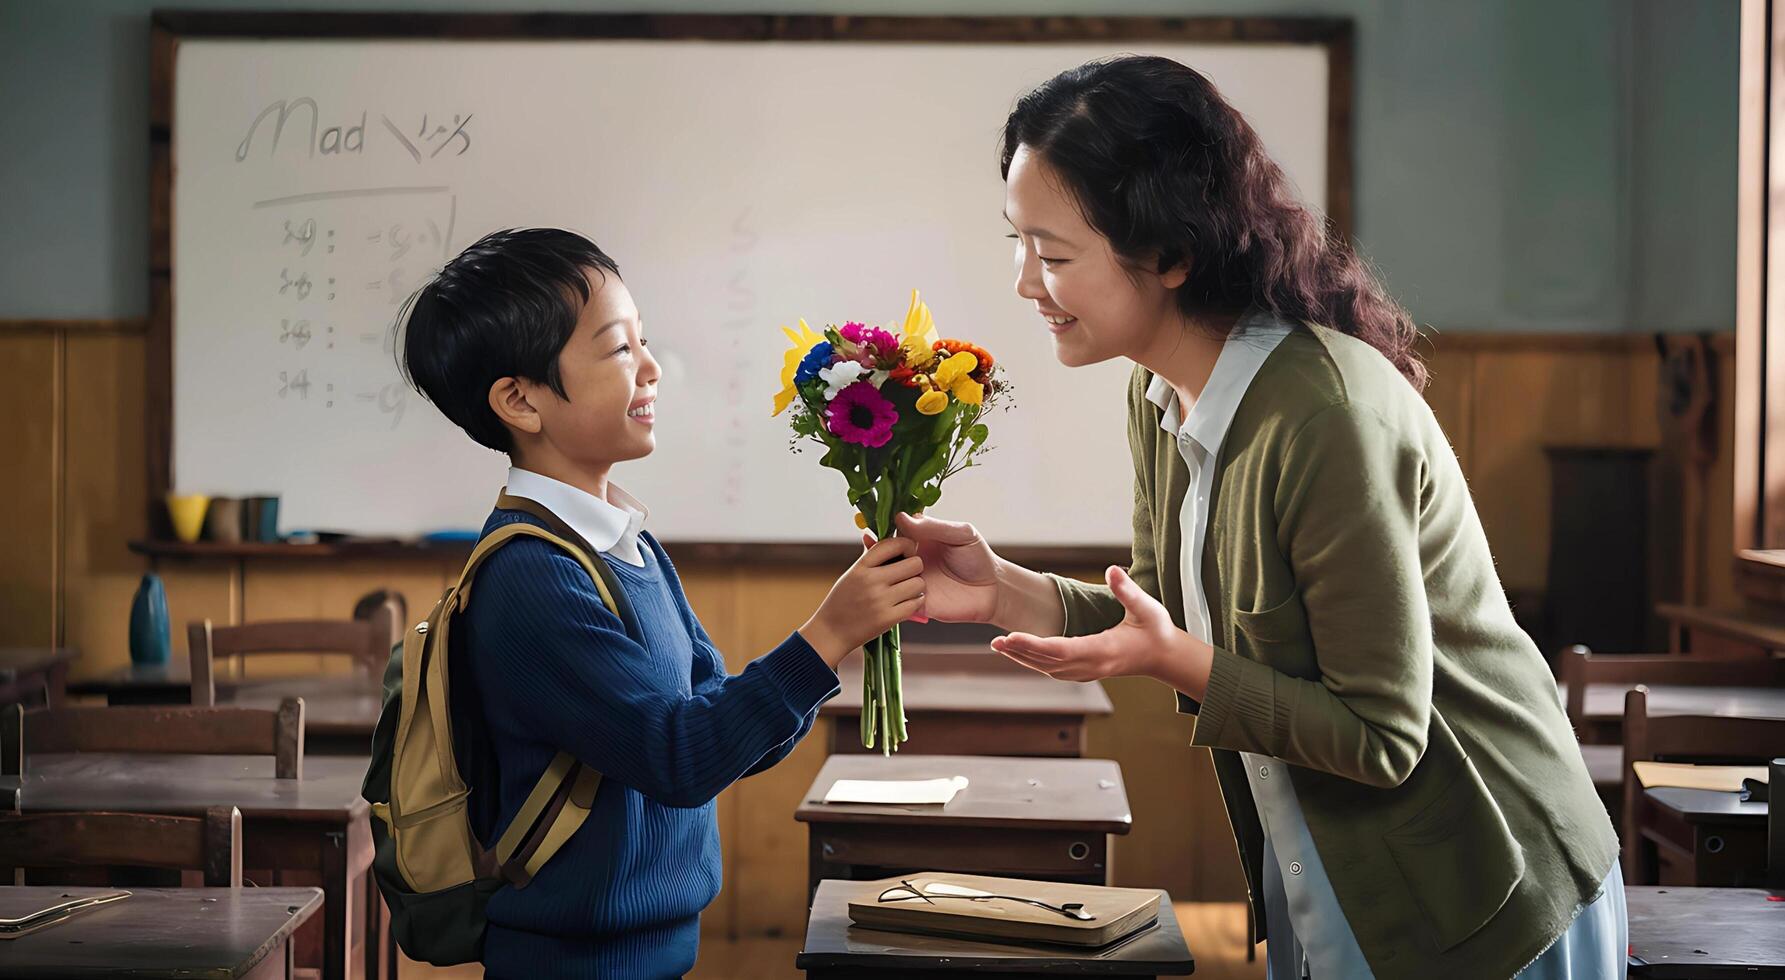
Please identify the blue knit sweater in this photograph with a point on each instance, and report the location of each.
(540, 665)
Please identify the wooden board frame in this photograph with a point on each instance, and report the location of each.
(169, 27)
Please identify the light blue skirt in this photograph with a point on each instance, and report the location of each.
(1595, 947)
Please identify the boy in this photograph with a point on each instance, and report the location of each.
(530, 342)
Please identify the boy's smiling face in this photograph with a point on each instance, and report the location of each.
(609, 378)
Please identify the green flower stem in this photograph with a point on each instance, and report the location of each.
(885, 736)
(867, 698)
(897, 710)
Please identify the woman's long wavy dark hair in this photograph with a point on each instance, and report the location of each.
(1168, 171)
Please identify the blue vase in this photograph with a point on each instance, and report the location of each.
(149, 639)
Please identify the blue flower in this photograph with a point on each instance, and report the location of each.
(816, 359)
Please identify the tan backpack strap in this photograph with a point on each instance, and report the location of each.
(501, 536)
(564, 823)
(535, 804)
(553, 811)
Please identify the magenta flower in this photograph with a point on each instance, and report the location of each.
(862, 335)
(862, 415)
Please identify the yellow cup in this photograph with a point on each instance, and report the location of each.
(187, 511)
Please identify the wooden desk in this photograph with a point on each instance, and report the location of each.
(1704, 631)
(168, 683)
(836, 949)
(1023, 818)
(1603, 709)
(160, 932)
(1701, 838)
(967, 699)
(315, 825)
(35, 675)
(340, 710)
(1681, 933)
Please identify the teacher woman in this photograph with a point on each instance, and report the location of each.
(1309, 573)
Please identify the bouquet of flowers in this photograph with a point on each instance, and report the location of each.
(898, 411)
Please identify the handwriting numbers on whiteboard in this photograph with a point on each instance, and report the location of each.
(294, 332)
(298, 383)
(444, 136)
(433, 136)
(300, 285)
(304, 235)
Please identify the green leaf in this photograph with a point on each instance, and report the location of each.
(945, 421)
(928, 496)
(931, 466)
(883, 501)
(978, 434)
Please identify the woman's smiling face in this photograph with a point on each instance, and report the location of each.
(1095, 305)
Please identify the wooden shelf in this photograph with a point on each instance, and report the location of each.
(336, 551)
(1046, 557)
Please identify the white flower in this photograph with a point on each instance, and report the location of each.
(878, 377)
(839, 376)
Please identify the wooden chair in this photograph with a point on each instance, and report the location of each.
(1581, 668)
(211, 843)
(388, 609)
(157, 730)
(1684, 738)
(368, 642)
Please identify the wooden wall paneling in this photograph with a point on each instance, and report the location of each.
(199, 590)
(31, 397)
(769, 884)
(296, 590)
(106, 496)
(712, 593)
(1451, 393)
(1531, 398)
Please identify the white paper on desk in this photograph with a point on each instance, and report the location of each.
(905, 791)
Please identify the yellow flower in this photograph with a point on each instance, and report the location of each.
(955, 368)
(969, 391)
(919, 333)
(932, 402)
(918, 353)
(803, 342)
(860, 521)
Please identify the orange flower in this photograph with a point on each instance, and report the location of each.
(957, 346)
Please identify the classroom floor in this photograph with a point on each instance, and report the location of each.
(1215, 932)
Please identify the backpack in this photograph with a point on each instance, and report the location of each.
(434, 874)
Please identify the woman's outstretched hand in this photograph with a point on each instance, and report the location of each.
(961, 582)
(1145, 643)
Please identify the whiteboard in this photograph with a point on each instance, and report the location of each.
(740, 186)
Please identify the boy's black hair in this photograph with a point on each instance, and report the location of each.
(504, 308)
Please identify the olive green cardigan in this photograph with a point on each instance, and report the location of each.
(1362, 636)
